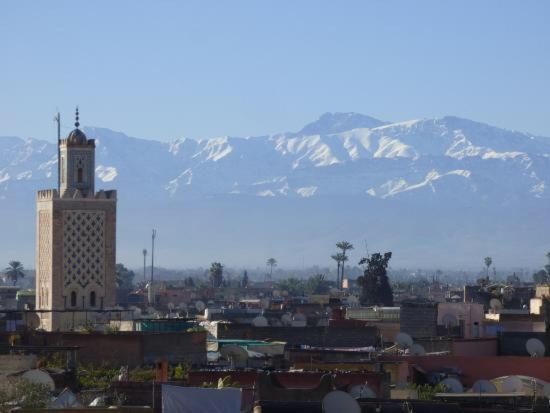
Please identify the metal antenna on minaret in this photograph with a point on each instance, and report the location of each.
(153, 236)
(57, 118)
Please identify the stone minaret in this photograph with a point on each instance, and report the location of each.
(76, 241)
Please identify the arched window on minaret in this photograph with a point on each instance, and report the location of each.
(73, 299)
(92, 299)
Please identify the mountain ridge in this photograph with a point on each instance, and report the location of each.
(438, 164)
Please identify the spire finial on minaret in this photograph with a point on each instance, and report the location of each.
(77, 124)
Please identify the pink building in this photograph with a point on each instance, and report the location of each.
(469, 316)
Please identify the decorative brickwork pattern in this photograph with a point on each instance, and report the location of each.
(44, 257)
(83, 248)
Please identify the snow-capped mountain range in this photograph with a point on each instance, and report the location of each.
(441, 162)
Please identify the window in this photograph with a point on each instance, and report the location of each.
(92, 299)
(73, 299)
(80, 175)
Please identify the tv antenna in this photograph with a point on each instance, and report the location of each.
(144, 264)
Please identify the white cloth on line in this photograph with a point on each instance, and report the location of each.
(177, 399)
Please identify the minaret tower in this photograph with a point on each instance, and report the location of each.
(76, 241)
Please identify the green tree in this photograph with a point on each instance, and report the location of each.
(124, 277)
(344, 246)
(14, 271)
(292, 285)
(317, 284)
(540, 277)
(216, 274)
(271, 262)
(376, 288)
(244, 281)
(17, 392)
(488, 261)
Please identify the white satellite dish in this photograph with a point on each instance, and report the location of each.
(417, 350)
(200, 306)
(495, 304)
(338, 401)
(39, 377)
(404, 340)
(453, 385)
(535, 347)
(286, 319)
(362, 391)
(512, 384)
(449, 320)
(484, 386)
(260, 322)
(235, 354)
(171, 306)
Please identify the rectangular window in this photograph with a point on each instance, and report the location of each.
(80, 176)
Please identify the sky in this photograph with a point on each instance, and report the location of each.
(167, 69)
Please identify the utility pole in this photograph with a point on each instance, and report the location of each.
(153, 236)
(144, 265)
(57, 119)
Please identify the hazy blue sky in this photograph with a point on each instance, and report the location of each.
(168, 69)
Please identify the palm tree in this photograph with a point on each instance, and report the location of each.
(338, 258)
(344, 246)
(271, 262)
(14, 271)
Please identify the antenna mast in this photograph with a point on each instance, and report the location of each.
(153, 236)
(57, 119)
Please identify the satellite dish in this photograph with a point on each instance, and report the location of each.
(200, 306)
(235, 354)
(286, 319)
(33, 321)
(260, 322)
(338, 401)
(512, 384)
(484, 386)
(299, 320)
(449, 320)
(353, 301)
(362, 391)
(453, 385)
(495, 304)
(417, 350)
(39, 377)
(404, 340)
(171, 306)
(535, 347)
